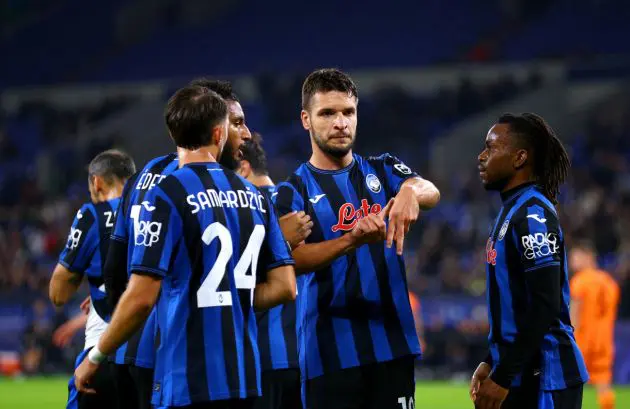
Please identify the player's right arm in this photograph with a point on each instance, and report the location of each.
(311, 257)
(75, 257)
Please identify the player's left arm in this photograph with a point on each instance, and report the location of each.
(276, 285)
(411, 194)
(150, 262)
(537, 238)
(75, 257)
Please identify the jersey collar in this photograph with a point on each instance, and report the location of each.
(516, 191)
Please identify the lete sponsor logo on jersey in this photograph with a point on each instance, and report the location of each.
(539, 245)
(491, 253)
(349, 216)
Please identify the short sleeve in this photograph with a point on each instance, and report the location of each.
(275, 251)
(287, 199)
(157, 230)
(82, 241)
(537, 237)
(396, 172)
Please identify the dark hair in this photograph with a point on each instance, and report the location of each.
(326, 80)
(112, 165)
(192, 113)
(253, 153)
(551, 161)
(223, 88)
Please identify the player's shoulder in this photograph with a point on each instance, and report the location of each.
(295, 181)
(160, 162)
(533, 204)
(87, 210)
(385, 157)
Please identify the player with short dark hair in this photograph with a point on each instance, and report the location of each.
(277, 332)
(237, 129)
(358, 338)
(84, 255)
(203, 231)
(534, 361)
(135, 359)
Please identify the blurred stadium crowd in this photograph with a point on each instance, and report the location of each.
(39, 194)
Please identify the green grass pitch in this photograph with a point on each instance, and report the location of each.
(50, 393)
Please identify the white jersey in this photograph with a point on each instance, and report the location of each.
(94, 328)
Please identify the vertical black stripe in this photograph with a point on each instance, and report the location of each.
(264, 341)
(356, 308)
(246, 227)
(196, 367)
(227, 319)
(328, 353)
(391, 321)
(289, 331)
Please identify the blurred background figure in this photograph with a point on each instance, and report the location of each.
(594, 301)
(81, 77)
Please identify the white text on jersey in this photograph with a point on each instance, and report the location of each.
(226, 198)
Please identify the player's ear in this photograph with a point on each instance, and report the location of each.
(306, 121)
(245, 169)
(520, 158)
(98, 184)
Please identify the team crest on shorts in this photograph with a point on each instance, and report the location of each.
(373, 183)
(503, 230)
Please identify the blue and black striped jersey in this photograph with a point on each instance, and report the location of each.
(141, 348)
(86, 249)
(277, 334)
(355, 311)
(526, 245)
(210, 235)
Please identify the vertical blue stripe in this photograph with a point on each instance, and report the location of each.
(311, 361)
(277, 344)
(344, 340)
(545, 400)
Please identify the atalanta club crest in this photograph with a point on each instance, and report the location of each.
(503, 230)
(373, 183)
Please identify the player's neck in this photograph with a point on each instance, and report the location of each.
(262, 180)
(111, 194)
(203, 154)
(323, 161)
(518, 180)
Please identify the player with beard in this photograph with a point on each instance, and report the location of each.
(358, 339)
(534, 361)
(238, 132)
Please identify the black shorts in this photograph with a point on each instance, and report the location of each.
(103, 383)
(530, 396)
(384, 385)
(281, 389)
(134, 386)
(220, 404)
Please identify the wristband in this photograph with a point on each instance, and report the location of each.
(95, 356)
